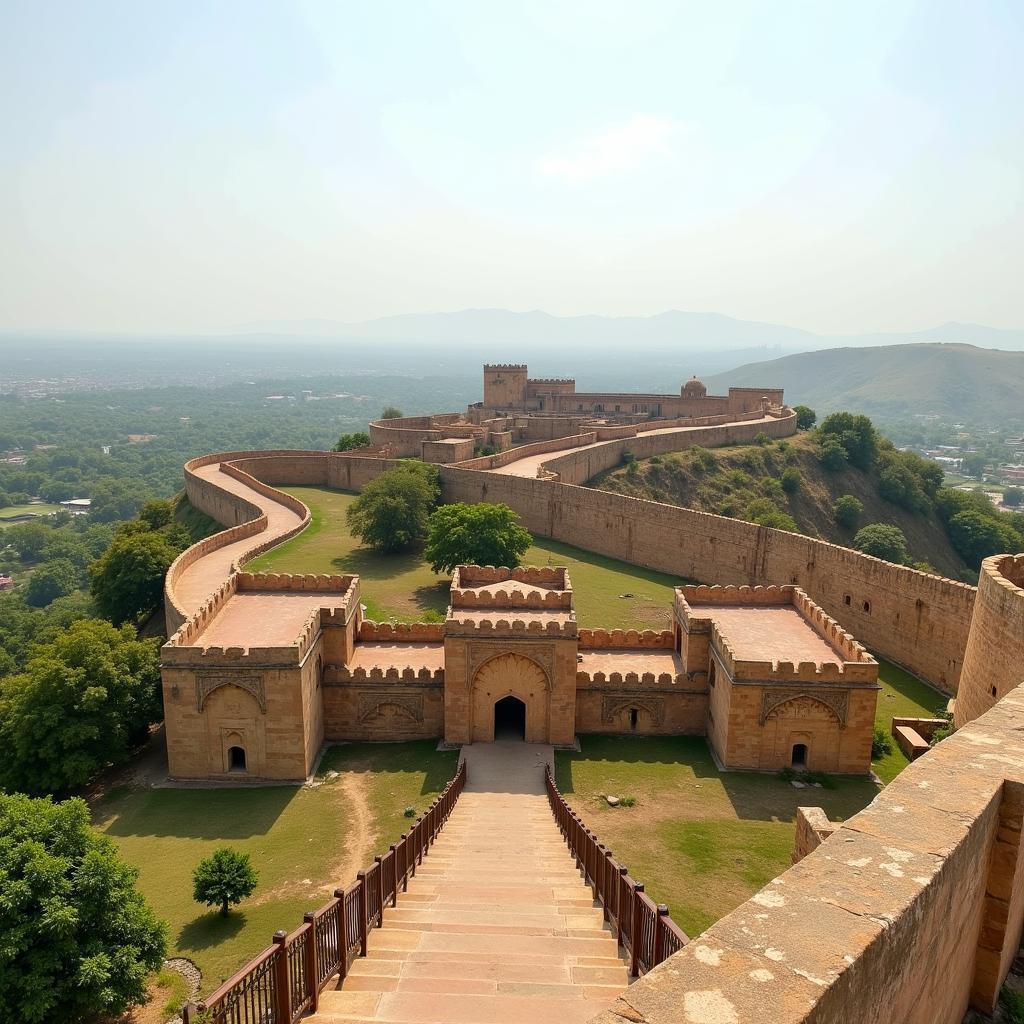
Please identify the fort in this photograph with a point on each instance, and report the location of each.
(911, 911)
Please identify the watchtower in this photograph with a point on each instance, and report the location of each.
(505, 386)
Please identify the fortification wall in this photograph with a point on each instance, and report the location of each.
(662, 709)
(523, 451)
(908, 912)
(994, 659)
(580, 466)
(404, 436)
(918, 620)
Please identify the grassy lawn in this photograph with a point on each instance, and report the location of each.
(402, 588)
(304, 842)
(902, 695)
(9, 514)
(704, 841)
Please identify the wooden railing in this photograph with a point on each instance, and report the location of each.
(284, 982)
(644, 929)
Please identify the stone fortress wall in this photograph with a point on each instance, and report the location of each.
(909, 911)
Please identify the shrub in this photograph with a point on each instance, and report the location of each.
(627, 801)
(703, 460)
(791, 480)
(761, 438)
(410, 812)
(805, 416)
(390, 412)
(225, 877)
(882, 541)
(349, 442)
(1013, 497)
(628, 458)
(655, 460)
(831, 453)
(392, 512)
(765, 512)
(79, 939)
(846, 511)
(881, 743)
(480, 534)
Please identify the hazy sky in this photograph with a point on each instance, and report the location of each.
(191, 165)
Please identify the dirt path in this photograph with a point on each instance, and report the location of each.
(360, 836)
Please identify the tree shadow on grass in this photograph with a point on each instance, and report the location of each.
(202, 813)
(373, 565)
(209, 929)
(434, 597)
(755, 796)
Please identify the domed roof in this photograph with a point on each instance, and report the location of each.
(694, 386)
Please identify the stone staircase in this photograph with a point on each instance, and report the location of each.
(497, 926)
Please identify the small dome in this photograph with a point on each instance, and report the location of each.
(694, 387)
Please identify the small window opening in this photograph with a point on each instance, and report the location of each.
(800, 756)
(867, 606)
(633, 716)
(236, 759)
(847, 599)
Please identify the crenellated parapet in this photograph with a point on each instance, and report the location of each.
(648, 639)
(401, 632)
(556, 628)
(338, 675)
(620, 679)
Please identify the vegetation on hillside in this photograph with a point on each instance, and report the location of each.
(832, 482)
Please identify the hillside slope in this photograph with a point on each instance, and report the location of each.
(726, 480)
(896, 381)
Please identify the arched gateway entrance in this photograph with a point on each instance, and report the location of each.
(509, 700)
(510, 719)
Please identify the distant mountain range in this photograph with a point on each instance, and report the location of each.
(675, 331)
(889, 382)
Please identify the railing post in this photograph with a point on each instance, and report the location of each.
(404, 847)
(312, 966)
(394, 873)
(634, 932)
(364, 911)
(607, 886)
(379, 861)
(282, 986)
(420, 829)
(339, 894)
(186, 1012)
(620, 884)
(659, 935)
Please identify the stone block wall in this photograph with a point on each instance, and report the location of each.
(812, 829)
(911, 911)
(388, 707)
(994, 659)
(918, 620)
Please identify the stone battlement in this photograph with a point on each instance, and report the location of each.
(600, 678)
(542, 588)
(337, 674)
(597, 639)
(403, 632)
(563, 626)
(505, 366)
(555, 577)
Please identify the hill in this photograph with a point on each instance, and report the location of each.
(726, 480)
(895, 382)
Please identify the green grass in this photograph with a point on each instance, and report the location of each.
(402, 588)
(701, 840)
(295, 836)
(13, 511)
(902, 695)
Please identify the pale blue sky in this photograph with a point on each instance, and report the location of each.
(190, 165)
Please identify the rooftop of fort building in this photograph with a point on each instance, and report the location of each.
(776, 624)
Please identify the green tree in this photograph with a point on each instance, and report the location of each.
(1013, 497)
(791, 480)
(348, 442)
(832, 453)
(856, 434)
(393, 510)
(806, 417)
(28, 539)
(765, 512)
(847, 510)
(480, 534)
(79, 940)
(225, 877)
(51, 580)
(127, 581)
(974, 464)
(976, 536)
(391, 413)
(157, 514)
(85, 699)
(882, 540)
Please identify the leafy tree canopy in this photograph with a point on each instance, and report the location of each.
(480, 534)
(855, 433)
(882, 541)
(127, 581)
(79, 940)
(391, 413)
(1013, 497)
(976, 536)
(348, 442)
(85, 699)
(805, 416)
(50, 581)
(847, 510)
(392, 512)
(225, 877)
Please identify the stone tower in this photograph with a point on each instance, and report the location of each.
(505, 386)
